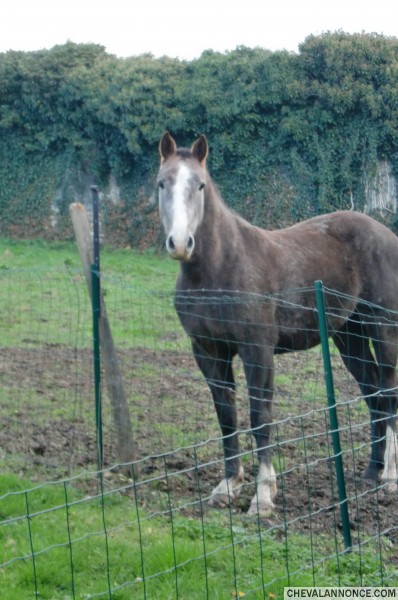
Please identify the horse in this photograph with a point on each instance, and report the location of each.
(224, 260)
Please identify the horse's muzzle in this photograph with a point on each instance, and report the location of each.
(180, 249)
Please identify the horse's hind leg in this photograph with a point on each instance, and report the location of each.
(385, 345)
(215, 362)
(373, 377)
(353, 345)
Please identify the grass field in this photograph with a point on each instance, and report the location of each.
(109, 547)
(37, 276)
(65, 533)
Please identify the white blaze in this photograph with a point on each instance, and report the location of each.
(179, 229)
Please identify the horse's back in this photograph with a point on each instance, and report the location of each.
(349, 251)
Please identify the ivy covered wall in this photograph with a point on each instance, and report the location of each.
(291, 135)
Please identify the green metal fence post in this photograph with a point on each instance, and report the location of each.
(338, 459)
(96, 304)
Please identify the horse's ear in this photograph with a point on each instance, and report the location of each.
(200, 149)
(167, 146)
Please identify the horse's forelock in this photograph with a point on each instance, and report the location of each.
(184, 153)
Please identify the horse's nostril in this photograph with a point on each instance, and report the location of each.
(191, 243)
(170, 244)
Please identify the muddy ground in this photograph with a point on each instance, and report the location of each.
(47, 432)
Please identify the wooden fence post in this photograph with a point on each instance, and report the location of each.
(113, 375)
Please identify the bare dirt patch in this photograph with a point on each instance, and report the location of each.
(47, 431)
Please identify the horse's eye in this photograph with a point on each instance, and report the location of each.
(161, 185)
(202, 186)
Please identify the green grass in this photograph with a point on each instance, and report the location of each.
(74, 544)
(58, 540)
(44, 281)
(144, 267)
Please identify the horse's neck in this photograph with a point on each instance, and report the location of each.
(217, 215)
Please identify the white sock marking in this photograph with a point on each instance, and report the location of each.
(266, 490)
(227, 489)
(390, 473)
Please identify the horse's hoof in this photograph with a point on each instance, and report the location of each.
(220, 500)
(390, 486)
(263, 509)
(372, 473)
(226, 491)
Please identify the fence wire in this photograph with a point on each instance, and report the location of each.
(69, 531)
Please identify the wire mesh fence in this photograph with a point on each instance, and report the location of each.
(70, 531)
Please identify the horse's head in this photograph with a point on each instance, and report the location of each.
(181, 181)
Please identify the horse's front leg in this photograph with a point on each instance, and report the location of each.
(259, 370)
(215, 362)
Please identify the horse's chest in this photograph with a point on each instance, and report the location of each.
(231, 317)
(203, 315)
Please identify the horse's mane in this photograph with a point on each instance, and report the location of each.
(218, 200)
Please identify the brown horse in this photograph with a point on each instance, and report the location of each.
(231, 276)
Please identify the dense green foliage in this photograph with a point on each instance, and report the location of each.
(290, 135)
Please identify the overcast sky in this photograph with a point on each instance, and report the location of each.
(184, 28)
